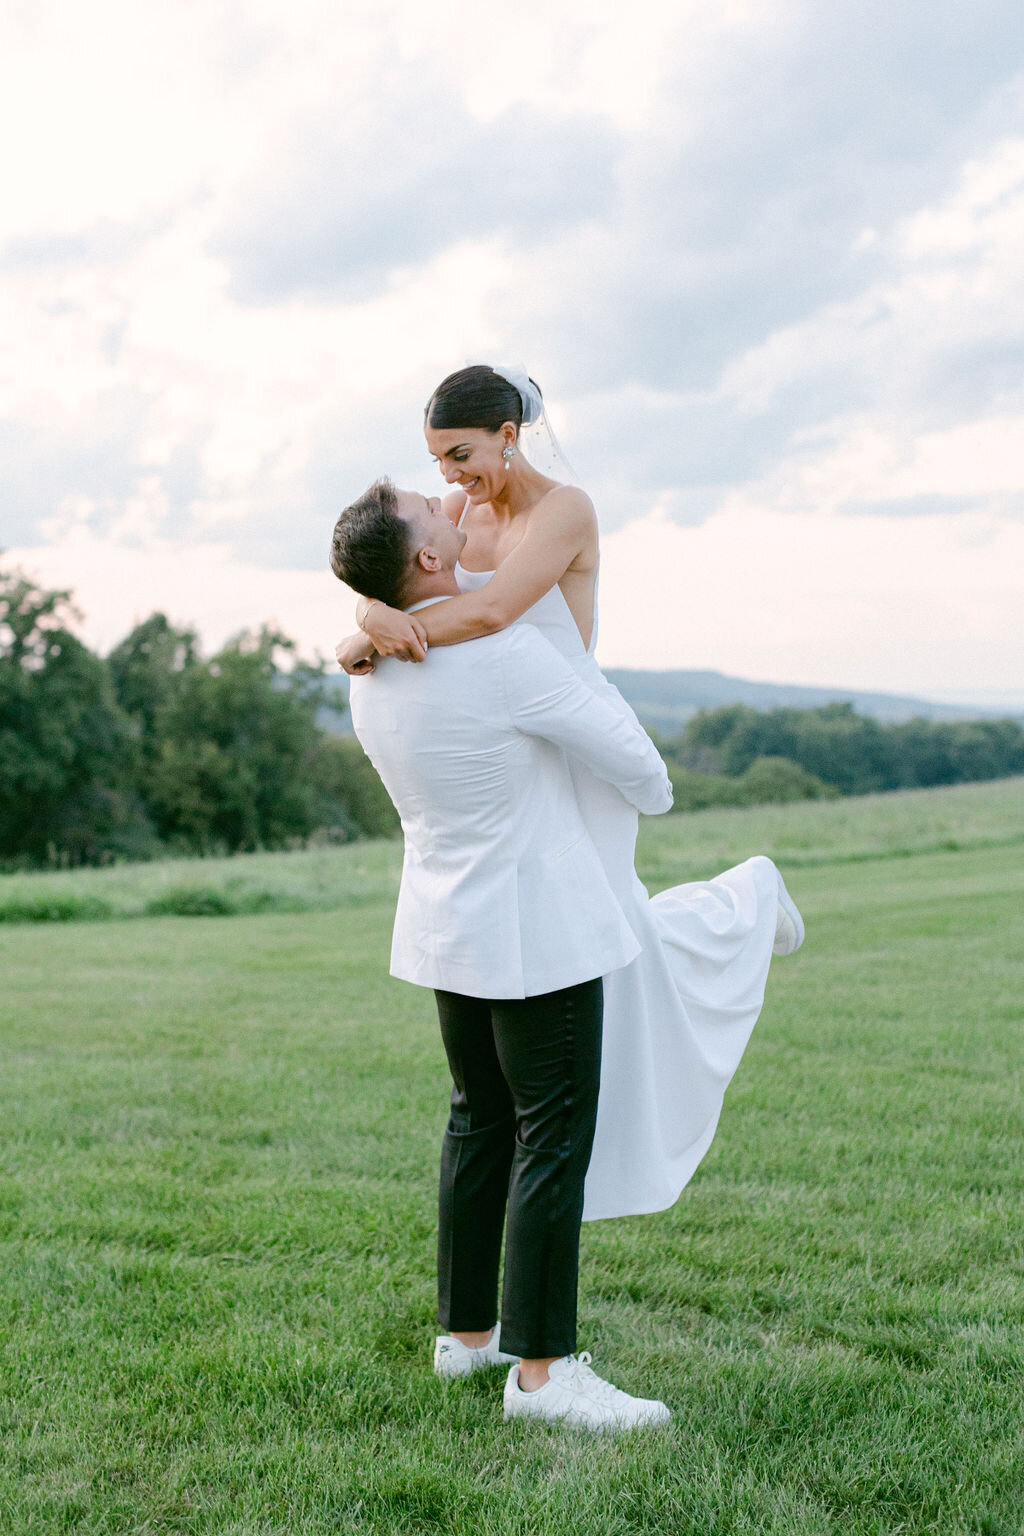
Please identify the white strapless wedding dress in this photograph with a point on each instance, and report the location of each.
(677, 1019)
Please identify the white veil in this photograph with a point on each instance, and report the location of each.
(537, 441)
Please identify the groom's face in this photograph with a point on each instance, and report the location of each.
(430, 527)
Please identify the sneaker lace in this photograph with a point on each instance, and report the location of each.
(599, 1389)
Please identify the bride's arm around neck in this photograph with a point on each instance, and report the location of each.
(560, 545)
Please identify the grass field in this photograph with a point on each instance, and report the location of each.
(805, 835)
(218, 1145)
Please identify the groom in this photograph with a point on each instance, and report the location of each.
(506, 912)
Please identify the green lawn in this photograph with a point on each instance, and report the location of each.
(218, 1144)
(673, 848)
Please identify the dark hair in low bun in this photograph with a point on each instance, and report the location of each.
(474, 397)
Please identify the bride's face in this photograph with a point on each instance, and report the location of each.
(471, 457)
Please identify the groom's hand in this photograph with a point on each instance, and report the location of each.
(395, 633)
(355, 654)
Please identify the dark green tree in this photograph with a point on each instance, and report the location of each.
(780, 781)
(147, 669)
(65, 795)
(852, 752)
(353, 801)
(957, 752)
(839, 746)
(237, 739)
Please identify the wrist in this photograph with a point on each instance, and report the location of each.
(361, 619)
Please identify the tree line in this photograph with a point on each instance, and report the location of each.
(736, 753)
(156, 747)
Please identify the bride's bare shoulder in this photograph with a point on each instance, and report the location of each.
(569, 504)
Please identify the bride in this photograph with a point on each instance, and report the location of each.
(676, 1021)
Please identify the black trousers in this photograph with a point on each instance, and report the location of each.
(525, 1075)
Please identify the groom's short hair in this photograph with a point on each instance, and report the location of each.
(372, 546)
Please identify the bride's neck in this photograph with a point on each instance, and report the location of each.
(524, 486)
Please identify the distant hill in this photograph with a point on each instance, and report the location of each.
(664, 701)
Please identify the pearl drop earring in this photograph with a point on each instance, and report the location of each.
(507, 453)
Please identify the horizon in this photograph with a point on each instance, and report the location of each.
(988, 700)
(990, 706)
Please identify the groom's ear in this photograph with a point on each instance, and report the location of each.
(428, 559)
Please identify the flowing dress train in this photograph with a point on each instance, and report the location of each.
(678, 1018)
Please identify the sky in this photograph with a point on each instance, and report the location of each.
(765, 258)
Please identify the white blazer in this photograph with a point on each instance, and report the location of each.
(503, 893)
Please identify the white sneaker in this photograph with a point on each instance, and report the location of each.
(789, 928)
(575, 1395)
(453, 1358)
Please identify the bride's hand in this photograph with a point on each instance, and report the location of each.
(394, 633)
(355, 654)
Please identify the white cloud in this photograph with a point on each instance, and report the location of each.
(928, 606)
(918, 351)
(954, 280)
(983, 214)
(884, 462)
(789, 280)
